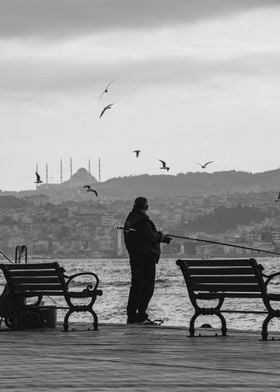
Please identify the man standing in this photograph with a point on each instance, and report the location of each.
(142, 241)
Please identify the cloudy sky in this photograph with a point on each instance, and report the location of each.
(194, 80)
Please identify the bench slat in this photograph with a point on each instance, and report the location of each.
(245, 288)
(220, 271)
(35, 266)
(36, 279)
(36, 287)
(17, 273)
(218, 263)
(224, 279)
(29, 294)
(227, 295)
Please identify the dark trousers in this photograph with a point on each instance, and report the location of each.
(143, 272)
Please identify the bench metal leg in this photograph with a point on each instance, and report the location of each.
(205, 312)
(66, 318)
(95, 319)
(77, 309)
(224, 324)
(192, 324)
(265, 325)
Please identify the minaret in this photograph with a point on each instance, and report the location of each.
(37, 171)
(71, 167)
(119, 242)
(61, 174)
(89, 167)
(99, 169)
(47, 173)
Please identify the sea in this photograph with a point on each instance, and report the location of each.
(170, 301)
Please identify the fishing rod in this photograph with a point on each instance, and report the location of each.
(6, 257)
(209, 242)
(223, 244)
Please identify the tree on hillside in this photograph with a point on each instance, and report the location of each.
(224, 218)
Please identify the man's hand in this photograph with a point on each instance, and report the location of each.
(166, 239)
(160, 236)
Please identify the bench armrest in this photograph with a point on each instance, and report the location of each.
(269, 277)
(90, 287)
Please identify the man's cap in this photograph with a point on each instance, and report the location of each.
(140, 203)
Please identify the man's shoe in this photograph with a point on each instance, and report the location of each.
(131, 320)
(151, 322)
(140, 318)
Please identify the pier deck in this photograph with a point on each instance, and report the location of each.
(136, 358)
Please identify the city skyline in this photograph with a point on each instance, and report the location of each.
(193, 81)
(64, 169)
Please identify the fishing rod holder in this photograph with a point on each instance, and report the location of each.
(21, 254)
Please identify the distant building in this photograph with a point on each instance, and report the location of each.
(252, 237)
(37, 200)
(107, 220)
(13, 242)
(276, 238)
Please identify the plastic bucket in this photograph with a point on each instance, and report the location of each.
(49, 316)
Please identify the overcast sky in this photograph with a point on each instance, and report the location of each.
(194, 80)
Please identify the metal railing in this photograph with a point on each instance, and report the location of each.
(20, 255)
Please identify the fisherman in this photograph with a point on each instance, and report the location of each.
(142, 241)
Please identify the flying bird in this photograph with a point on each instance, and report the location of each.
(203, 166)
(278, 198)
(106, 108)
(89, 189)
(106, 89)
(38, 179)
(164, 167)
(137, 153)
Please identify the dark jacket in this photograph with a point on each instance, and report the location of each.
(145, 241)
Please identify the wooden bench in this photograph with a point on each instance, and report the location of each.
(47, 279)
(216, 279)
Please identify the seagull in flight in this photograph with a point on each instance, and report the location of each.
(38, 179)
(278, 198)
(89, 189)
(106, 108)
(106, 89)
(164, 167)
(137, 153)
(203, 166)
